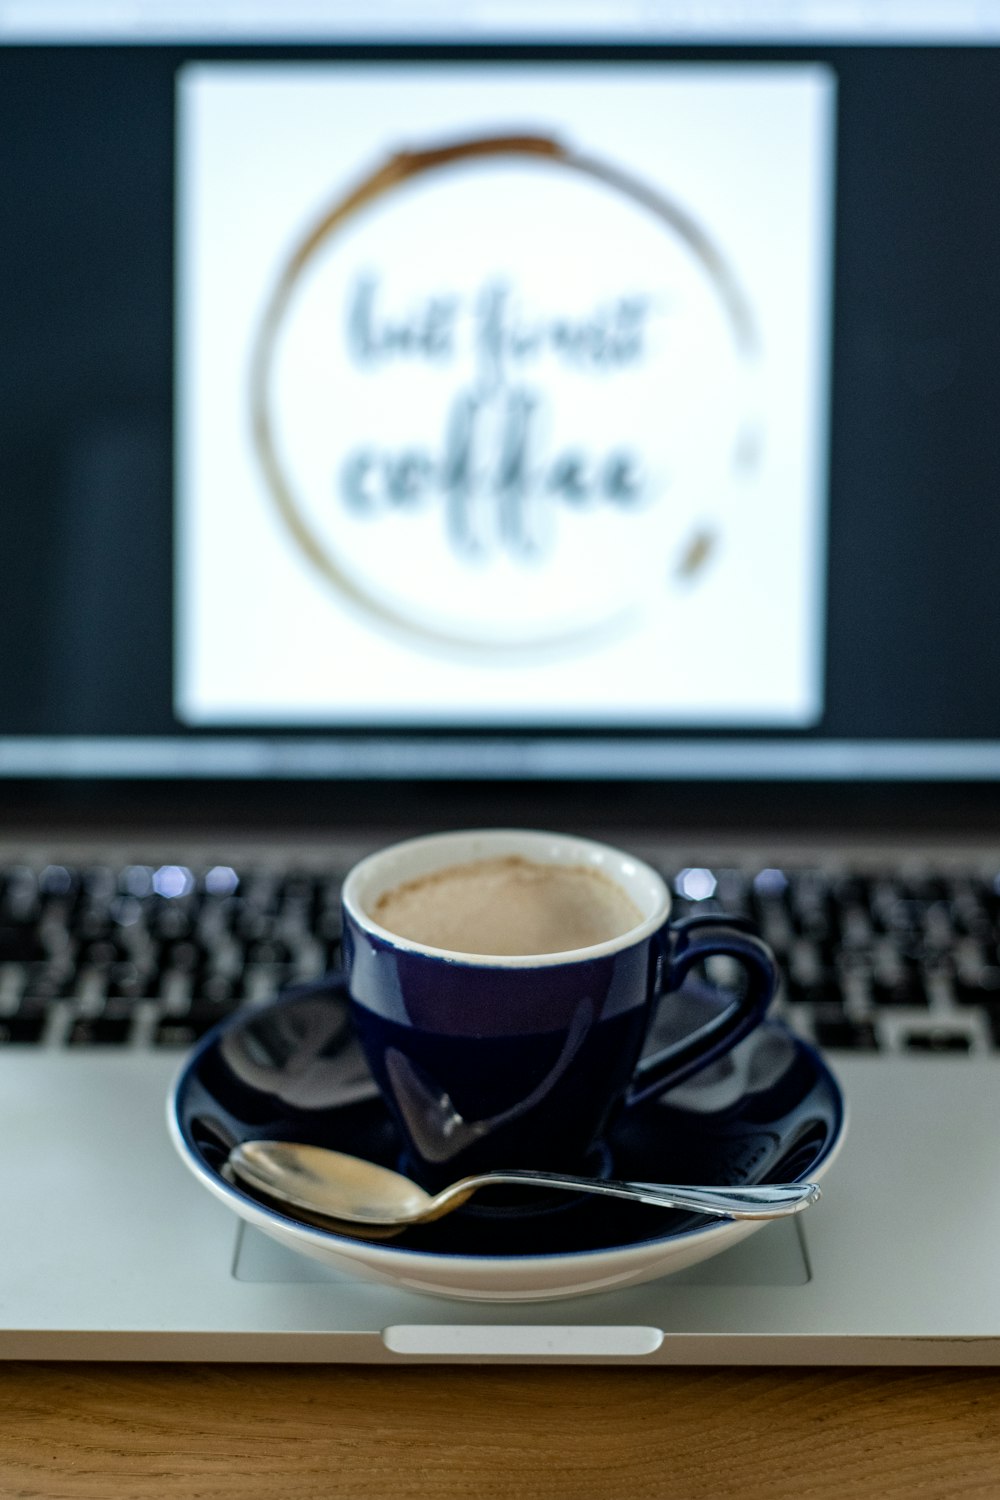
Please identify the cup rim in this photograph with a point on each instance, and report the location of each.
(426, 853)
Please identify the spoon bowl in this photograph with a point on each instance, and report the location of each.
(360, 1197)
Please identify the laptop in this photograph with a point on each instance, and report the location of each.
(576, 417)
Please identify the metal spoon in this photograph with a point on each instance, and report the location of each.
(359, 1193)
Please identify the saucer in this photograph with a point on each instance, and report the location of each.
(770, 1110)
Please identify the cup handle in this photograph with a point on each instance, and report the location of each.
(686, 943)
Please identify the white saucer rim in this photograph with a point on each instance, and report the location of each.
(401, 1259)
(391, 1255)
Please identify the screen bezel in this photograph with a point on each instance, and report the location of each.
(759, 792)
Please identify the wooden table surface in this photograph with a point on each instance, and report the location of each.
(227, 1432)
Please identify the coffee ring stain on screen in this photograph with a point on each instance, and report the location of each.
(401, 168)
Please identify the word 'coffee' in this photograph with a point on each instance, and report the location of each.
(508, 905)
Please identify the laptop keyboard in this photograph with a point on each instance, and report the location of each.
(152, 956)
(874, 962)
(145, 956)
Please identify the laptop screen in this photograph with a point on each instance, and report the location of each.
(457, 400)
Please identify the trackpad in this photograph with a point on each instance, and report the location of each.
(774, 1256)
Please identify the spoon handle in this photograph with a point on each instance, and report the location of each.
(770, 1201)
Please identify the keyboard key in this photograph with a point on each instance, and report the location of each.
(850, 890)
(21, 1030)
(904, 987)
(185, 957)
(937, 1041)
(252, 926)
(970, 915)
(824, 990)
(56, 880)
(268, 953)
(19, 943)
(47, 981)
(99, 1031)
(220, 880)
(34, 1006)
(847, 1036)
(99, 954)
(93, 924)
(185, 1030)
(978, 986)
(136, 880)
(329, 926)
(128, 982)
(171, 923)
(222, 990)
(205, 1012)
(777, 931)
(174, 1032)
(175, 991)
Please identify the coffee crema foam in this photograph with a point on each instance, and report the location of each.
(508, 905)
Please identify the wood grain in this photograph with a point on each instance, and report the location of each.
(242, 1432)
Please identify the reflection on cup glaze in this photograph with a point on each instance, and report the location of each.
(436, 1127)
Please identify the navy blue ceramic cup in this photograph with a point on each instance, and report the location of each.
(522, 1060)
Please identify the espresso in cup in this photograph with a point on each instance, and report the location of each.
(507, 905)
(502, 984)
